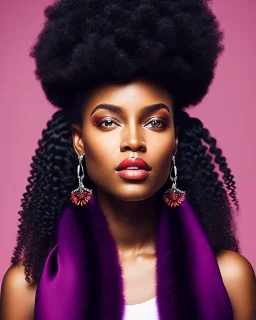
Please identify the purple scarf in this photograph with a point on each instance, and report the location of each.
(82, 277)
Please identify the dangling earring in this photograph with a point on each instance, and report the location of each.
(81, 195)
(174, 196)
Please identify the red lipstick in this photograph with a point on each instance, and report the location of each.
(133, 169)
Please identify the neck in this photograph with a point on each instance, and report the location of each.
(132, 223)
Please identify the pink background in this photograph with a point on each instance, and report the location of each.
(228, 111)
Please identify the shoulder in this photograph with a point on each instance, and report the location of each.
(17, 295)
(15, 275)
(240, 282)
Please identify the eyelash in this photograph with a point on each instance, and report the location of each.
(164, 125)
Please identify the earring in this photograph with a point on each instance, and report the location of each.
(174, 196)
(81, 195)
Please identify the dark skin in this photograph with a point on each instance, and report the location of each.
(130, 206)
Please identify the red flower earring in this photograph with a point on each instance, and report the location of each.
(81, 195)
(174, 196)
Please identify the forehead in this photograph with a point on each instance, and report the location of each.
(135, 94)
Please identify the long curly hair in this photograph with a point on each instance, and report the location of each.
(85, 43)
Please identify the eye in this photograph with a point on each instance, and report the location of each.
(107, 123)
(157, 124)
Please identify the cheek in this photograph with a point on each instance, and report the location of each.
(161, 149)
(101, 154)
(100, 147)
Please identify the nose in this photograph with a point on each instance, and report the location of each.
(132, 138)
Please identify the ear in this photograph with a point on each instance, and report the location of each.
(177, 130)
(77, 140)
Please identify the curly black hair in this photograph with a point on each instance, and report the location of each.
(85, 43)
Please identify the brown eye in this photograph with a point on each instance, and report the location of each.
(107, 123)
(156, 123)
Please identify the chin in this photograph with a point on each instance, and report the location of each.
(133, 193)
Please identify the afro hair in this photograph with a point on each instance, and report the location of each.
(88, 42)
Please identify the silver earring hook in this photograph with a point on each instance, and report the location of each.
(173, 168)
(80, 170)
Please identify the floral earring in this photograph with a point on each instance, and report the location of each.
(81, 195)
(174, 196)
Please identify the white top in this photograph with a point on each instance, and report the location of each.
(145, 310)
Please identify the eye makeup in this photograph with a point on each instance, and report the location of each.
(109, 120)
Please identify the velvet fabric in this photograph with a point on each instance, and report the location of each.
(82, 275)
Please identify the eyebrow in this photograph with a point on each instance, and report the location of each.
(117, 109)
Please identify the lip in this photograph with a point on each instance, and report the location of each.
(137, 162)
(130, 174)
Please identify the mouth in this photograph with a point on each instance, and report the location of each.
(133, 169)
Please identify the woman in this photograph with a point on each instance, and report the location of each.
(134, 244)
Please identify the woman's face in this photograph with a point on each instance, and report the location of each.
(130, 129)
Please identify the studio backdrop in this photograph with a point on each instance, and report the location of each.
(228, 110)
